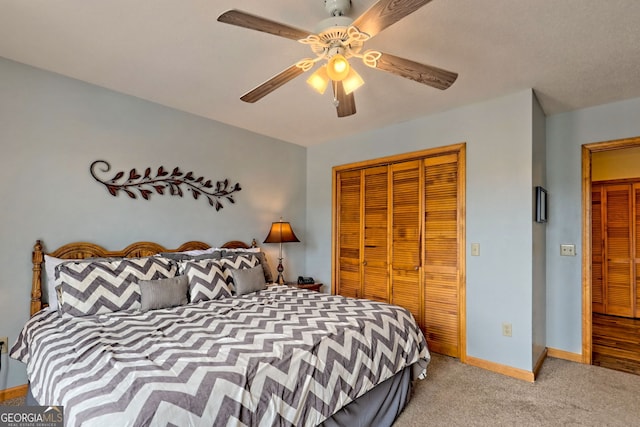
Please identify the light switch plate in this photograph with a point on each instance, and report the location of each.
(567, 250)
(475, 249)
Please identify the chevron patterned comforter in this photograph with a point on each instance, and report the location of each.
(281, 356)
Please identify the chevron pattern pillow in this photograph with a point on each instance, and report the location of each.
(211, 279)
(106, 286)
(236, 262)
(206, 280)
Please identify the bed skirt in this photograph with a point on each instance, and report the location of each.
(379, 407)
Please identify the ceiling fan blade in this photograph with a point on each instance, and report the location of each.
(346, 103)
(258, 23)
(385, 13)
(272, 84)
(421, 73)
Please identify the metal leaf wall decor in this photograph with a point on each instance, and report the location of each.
(164, 182)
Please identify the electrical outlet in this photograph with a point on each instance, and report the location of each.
(5, 344)
(567, 250)
(506, 329)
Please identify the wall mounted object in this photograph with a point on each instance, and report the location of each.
(165, 182)
(541, 204)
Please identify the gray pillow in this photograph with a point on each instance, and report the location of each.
(265, 266)
(181, 256)
(163, 293)
(248, 280)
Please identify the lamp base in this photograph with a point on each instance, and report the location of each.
(280, 279)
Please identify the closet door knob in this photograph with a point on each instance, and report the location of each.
(364, 262)
(417, 267)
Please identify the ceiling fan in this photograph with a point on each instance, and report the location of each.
(337, 39)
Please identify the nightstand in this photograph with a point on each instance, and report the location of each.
(310, 287)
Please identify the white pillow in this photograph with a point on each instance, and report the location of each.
(50, 264)
(254, 250)
(197, 252)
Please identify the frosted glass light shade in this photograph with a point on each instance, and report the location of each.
(319, 80)
(338, 67)
(352, 82)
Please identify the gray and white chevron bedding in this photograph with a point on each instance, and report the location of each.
(277, 357)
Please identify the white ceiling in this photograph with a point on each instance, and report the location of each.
(574, 53)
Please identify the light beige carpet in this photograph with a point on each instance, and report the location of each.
(565, 394)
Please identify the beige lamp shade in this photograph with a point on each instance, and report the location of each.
(281, 232)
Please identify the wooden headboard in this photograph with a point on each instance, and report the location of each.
(82, 250)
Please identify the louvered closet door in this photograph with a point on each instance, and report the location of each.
(597, 249)
(375, 266)
(348, 197)
(636, 255)
(440, 266)
(405, 246)
(619, 237)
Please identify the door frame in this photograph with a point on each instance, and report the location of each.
(587, 312)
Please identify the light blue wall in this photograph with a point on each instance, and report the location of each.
(52, 128)
(566, 133)
(498, 134)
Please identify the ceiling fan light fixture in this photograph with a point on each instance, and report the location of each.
(338, 67)
(336, 39)
(319, 80)
(352, 82)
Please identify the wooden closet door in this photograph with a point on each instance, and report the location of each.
(440, 266)
(348, 280)
(619, 289)
(636, 254)
(375, 265)
(597, 249)
(406, 208)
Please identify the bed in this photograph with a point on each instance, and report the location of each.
(272, 355)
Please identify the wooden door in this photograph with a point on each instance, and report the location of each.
(619, 289)
(375, 264)
(399, 237)
(348, 197)
(441, 245)
(597, 250)
(406, 208)
(636, 254)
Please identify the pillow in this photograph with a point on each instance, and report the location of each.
(268, 277)
(89, 288)
(236, 262)
(50, 264)
(197, 252)
(206, 280)
(184, 256)
(262, 258)
(246, 250)
(248, 280)
(163, 293)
